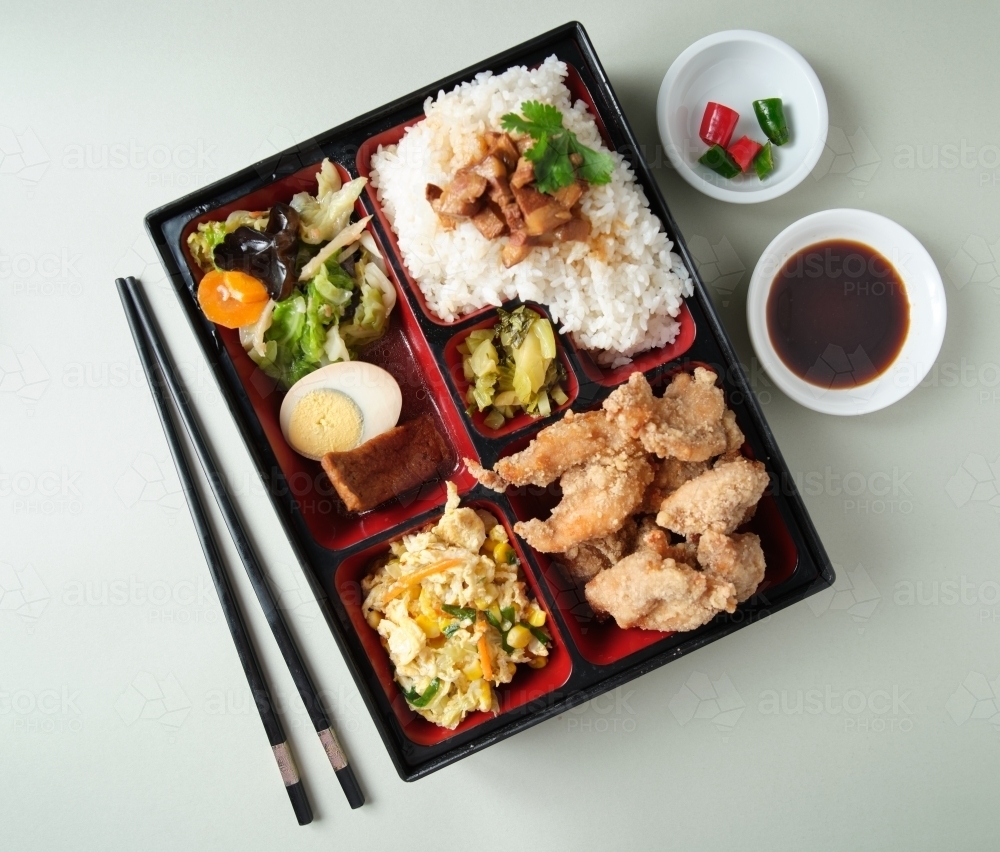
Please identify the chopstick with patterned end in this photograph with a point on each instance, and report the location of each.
(286, 643)
(229, 603)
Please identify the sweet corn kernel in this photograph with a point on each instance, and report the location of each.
(537, 618)
(503, 554)
(429, 625)
(373, 620)
(518, 636)
(473, 671)
(538, 662)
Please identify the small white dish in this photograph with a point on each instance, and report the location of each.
(924, 292)
(736, 68)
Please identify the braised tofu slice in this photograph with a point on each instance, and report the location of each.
(387, 465)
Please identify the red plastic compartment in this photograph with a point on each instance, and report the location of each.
(528, 684)
(453, 363)
(403, 352)
(645, 361)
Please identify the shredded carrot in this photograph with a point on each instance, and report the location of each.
(408, 580)
(484, 657)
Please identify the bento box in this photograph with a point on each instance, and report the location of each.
(335, 548)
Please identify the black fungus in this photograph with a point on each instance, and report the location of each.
(269, 255)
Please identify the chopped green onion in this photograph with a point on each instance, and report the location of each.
(417, 700)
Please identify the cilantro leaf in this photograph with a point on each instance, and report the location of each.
(545, 116)
(553, 146)
(513, 123)
(597, 166)
(553, 168)
(539, 120)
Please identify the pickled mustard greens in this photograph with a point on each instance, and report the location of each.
(513, 367)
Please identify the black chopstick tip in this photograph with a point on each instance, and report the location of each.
(300, 804)
(355, 798)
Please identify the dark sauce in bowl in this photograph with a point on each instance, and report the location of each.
(837, 314)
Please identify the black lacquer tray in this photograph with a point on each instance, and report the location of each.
(335, 548)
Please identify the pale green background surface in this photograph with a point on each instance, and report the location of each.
(124, 720)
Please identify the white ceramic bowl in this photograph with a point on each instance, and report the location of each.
(736, 68)
(924, 291)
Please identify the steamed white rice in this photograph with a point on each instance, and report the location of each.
(619, 292)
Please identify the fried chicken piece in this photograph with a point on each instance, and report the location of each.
(486, 477)
(734, 435)
(717, 500)
(668, 476)
(597, 500)
(587, 559)
(575, 440)
(685, 423)
(735, 558)
(645, 590)
(653, 537)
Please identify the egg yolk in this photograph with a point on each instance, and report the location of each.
(325, 421)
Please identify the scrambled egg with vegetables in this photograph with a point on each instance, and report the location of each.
(453, 614)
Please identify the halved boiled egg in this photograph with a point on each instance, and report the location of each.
(338, 407)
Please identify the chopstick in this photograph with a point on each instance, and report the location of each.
(286, 643)
(228, 601)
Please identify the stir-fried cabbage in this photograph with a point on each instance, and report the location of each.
(343, 298)
(209, 234)
(334, 316)
(203, 242)
(322, 217)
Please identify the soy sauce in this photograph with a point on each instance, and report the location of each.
(837, 314)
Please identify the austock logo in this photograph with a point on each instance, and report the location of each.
(607, 713)
(141, 262)
(852, 156)
(148, 698)
(46, 711)
(720, 267)
(717, 701)
(863, 710)
(22, 374)
(976, 699)
(23, 593)
(975, 482)
(975, 262)
(293, 593)
(22, 155)
(147, 481)
(854, 593)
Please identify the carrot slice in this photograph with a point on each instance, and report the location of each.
(231, 298)
(404, 582)
(484, 657)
